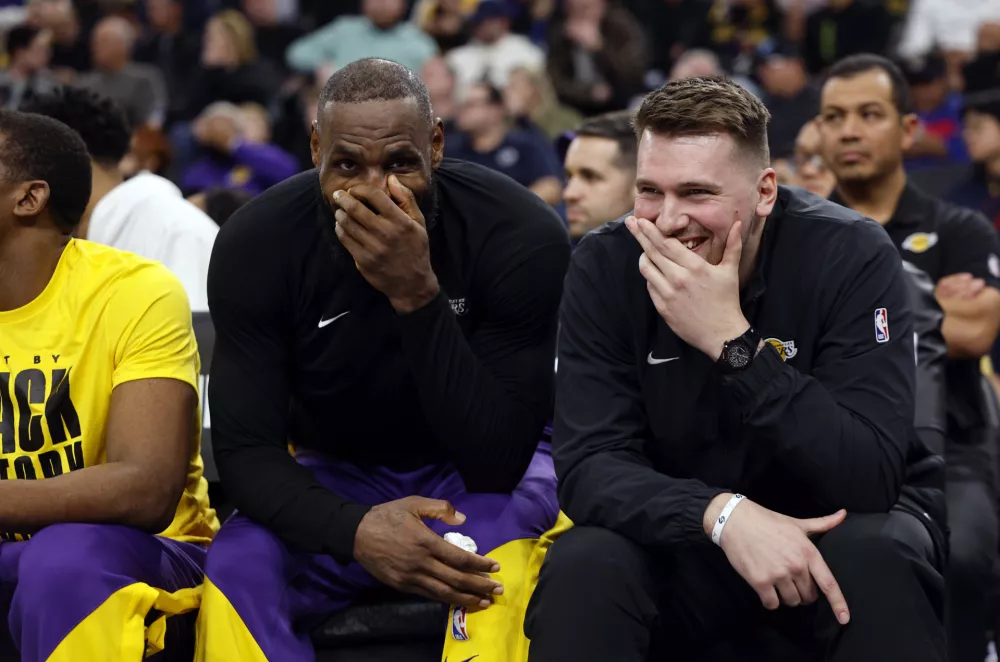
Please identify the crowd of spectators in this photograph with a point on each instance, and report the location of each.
(222, 93)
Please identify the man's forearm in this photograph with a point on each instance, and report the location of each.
(969, 327)
(488, 432)
(847, 460)
(112, 493)
(618, 491)
(269, 486)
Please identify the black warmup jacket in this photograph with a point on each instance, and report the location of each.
(647, 431)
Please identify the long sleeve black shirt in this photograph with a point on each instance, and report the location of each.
(647, 432)
(308, 352)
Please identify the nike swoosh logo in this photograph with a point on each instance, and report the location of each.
(324, 322)
(652, 361)
(468, 660)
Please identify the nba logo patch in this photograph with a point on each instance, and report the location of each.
(881, 325)
(458, 629)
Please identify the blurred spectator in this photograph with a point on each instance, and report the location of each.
(220, 203)
(238, 153)
(149, 151)
(146, 214)
(493, 51)
(597, 56)
(444, 20)
(810, 170)
(982, 72)
(139, 89)
(440, 82)
(230, 69)
(600, 172)
(27, 74)
(173, 47)
(845, 27)
(787, 93)
(671, 27)
(946, 25)
(939, 110)
(531, 101)
(982, 132)
(735, 28)
(696, 63)
(485, 138)
(293, 125)
(533, 18)
(784, 172)
(70, 47)
(381, 31)
(982, 137)
(274, 34)
(795, 13)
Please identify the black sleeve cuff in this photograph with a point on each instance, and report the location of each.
(692, 515)
(340, 540)
(750, 386)
(426, 315)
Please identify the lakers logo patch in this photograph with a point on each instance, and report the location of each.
(918, 242)
(786, 348)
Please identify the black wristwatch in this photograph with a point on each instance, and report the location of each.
(738, 353)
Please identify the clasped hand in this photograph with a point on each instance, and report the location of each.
(774, 554)
(398, 549)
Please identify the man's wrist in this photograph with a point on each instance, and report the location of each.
(732, 332)
(715, 507)
(417, 299)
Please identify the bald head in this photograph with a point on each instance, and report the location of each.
(112, 43)
(375, 79)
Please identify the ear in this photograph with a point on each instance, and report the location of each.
(314, 149)
(437, 143)
(909, 123)
(30, 199)
(767, 192)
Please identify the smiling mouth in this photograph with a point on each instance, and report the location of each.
(692, 243)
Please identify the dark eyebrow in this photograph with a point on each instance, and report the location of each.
(645, 183)
(404, 152)
(340, 147)
(708, 186)
(862, 106)
(588, 172)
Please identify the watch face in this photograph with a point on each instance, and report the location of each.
(739, 356)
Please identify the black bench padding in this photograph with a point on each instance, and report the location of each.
(396, 620)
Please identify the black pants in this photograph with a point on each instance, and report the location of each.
(602, 598)
(973, 542)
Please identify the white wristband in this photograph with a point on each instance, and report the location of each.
(720, 523)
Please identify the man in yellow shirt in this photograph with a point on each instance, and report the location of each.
(98, 396)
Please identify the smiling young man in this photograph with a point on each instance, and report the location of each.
(393, 315)
(866, 126)
(736, 366)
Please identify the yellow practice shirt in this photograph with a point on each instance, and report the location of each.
(105, 318)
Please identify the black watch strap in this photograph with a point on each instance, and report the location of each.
(738, 353)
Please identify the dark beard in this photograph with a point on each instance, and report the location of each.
(428, 207)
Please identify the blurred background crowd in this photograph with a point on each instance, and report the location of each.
(221, 93)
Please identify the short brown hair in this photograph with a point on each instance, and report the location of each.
(616, 126)
(705, 106)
